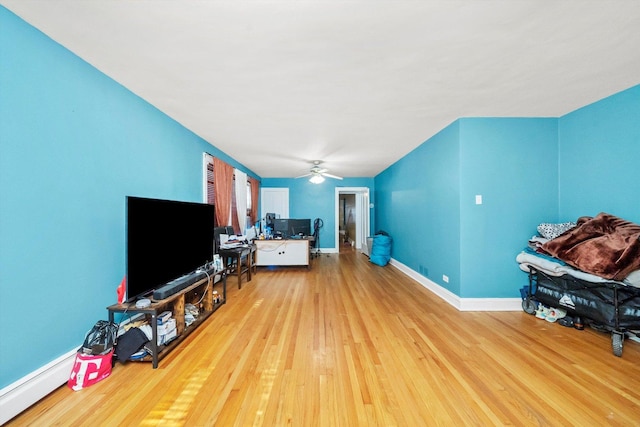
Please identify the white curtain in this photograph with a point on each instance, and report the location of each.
(241, 199)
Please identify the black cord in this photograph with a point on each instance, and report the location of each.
(122, 315)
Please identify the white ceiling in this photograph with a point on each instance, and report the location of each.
(358, 84)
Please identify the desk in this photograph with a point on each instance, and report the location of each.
(282, 252)
(234, 257)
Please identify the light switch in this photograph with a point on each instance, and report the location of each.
(478, 199)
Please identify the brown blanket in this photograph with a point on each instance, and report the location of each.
(606, 246)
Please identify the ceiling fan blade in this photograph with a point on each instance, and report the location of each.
(316, 170)
(328, 175)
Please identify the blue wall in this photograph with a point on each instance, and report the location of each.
(73, 144)
(512, 163)
(426, 201)
(418, 204)
(600, 158)
(307, 200)
(528, 171)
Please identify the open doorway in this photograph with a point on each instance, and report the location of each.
(347, 224)
(352, 217)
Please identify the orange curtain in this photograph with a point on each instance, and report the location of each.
(255, 191)
(223, 183)
(234, 208)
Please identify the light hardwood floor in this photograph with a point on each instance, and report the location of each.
(352, 344)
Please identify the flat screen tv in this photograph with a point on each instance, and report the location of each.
(165, 240)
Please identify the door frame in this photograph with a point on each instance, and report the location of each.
(362, 217)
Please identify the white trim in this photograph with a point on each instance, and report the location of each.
(363, 215)
(490, 304)
(328, 251)
(23, 393)
(29, 389)
(461, 304)
(443, 293)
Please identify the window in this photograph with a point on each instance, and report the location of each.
(210, 190)
(214, 167)
(248, 198)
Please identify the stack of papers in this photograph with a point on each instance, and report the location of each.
(230, 245)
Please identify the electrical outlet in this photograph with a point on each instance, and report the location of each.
(424, 270)
(445, 278)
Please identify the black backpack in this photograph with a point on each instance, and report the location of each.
(101, 338)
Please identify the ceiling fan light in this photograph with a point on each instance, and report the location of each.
(317, 179)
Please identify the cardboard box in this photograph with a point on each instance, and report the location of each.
(163, 339)
(167, 327)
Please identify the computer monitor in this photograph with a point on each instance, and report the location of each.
(268, 219)
(281, 227)
(299, 227)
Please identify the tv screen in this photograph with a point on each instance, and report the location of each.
(165, 240)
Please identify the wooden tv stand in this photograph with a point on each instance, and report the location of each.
(199, 294)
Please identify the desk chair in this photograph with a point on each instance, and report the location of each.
(240, 261)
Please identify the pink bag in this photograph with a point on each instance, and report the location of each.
(88, 369)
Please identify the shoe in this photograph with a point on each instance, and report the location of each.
(577, 323)
(555, 314)
(561, 313)
(566, 321)
(542, 312)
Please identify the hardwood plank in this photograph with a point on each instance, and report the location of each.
(350, 343)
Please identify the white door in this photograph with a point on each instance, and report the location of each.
(274, 200)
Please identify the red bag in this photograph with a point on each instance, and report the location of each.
(88, 369)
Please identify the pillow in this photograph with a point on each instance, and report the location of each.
(551, 231)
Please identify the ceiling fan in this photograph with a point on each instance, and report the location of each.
(318, 174)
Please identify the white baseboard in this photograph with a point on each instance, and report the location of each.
(29, 389)
(325, 251)
(23, 393)
(462, 304)
(490, 304)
